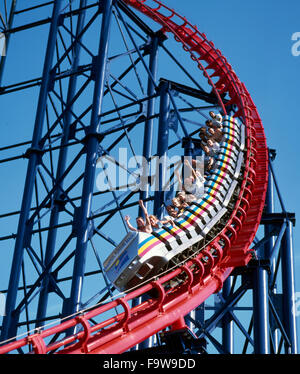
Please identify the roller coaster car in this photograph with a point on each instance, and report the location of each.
(126, 268)
(140, 255)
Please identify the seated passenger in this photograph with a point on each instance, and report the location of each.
(203, 128)
(203, 138)
(190, 198)
(172, 212)
(194, 183)
(143, 225)
(215, 134)
(178, 204)
(197, 165)
(209, 160)
(216, 119)
(169, 219)
(155, 222)
(213, 146)
(185, 198)
(181, 196)
(211, 124)
(203, 134)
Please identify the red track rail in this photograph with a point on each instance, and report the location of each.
(122, 331)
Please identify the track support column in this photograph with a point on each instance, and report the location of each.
(260, 310)
(288, 289)
(7, 36)
(92, 142)
(227, 323)
(61, 166)
(162, 149)
(268, 249)
(10, 321)
(148, 132)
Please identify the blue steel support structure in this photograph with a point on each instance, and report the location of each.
(83, 228)
(162, 152)
(7, 36)
(284, 247)
(148, 132)
(61, 167)
(10, 320)
(268, 248)
(227, 323)
(162, 149)
(148, 136)
(288, 290)
(261, 311)
(272, 323)
(260, 294)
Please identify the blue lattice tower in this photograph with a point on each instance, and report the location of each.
(90, 103)
(67, 143)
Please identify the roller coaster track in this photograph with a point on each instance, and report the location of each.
(202, 278)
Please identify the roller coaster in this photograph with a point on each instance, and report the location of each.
(116, 72)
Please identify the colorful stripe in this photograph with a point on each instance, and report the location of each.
(196, 212)
(215, 184)
(147, 244)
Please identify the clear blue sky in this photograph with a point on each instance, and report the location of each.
(255, 37)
